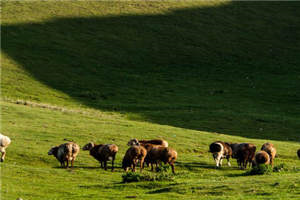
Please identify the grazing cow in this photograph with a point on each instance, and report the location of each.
(137, 142)
(270, 149)
(4, 142)
(65, 153)
(261, 157)
(298, 152)
(163, 154)
(132, 156)
(220, 150)
(244, 153)
(102, 153)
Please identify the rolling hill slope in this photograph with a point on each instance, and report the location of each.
(191, 72)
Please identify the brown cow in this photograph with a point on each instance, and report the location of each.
(244, 153)
(135, 141)
(102, 153)
(261, 157)
(270, 149)
(163, 154)
(132, 156)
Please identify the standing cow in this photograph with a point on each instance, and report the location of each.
(4, 142)
(244, 153)
(220, 150)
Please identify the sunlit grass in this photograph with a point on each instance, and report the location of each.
(191, 72)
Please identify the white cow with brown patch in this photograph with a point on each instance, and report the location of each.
(65, 153)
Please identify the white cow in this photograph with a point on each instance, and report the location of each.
(4, 142)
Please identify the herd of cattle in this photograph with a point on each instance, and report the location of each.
(156, 151)
(244, 153)
(140, 151)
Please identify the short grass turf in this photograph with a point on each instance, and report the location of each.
(28, 171)
(190, 72)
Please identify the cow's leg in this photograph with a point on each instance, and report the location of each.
(228, 161)
(112, 163)
(141, 164)
(244, 164)
(218, 159)
(72, 162)
(3, 156)
(105, 165)
(271, 161)
(240, 163)
(221, 161)
(215, 156)
(133, 168)
(173, 167)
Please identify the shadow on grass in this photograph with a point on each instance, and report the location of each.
(238, 175)
(229, 68)
(75, 167)
(194, 166)
(86, 167)
(162, 190)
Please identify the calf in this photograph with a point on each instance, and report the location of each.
(220, 150)
(261, 157)
(270, 149)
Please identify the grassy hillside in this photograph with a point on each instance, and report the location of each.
(30, 173)
(189, 72)
(203, 66)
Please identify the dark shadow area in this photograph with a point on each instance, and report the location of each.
(231, 69)
(192, 166)
(87, 167)
(162, 190)
(239, 175)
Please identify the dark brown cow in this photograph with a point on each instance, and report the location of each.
(244, 153)
(161, 154)
(102, 153)
(132, 156)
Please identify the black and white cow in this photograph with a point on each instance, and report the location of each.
(220, 150)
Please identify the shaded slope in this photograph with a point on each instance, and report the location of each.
(231, 68)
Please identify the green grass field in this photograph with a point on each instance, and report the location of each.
(191, 72)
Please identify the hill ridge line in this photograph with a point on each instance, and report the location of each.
(48, 106)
